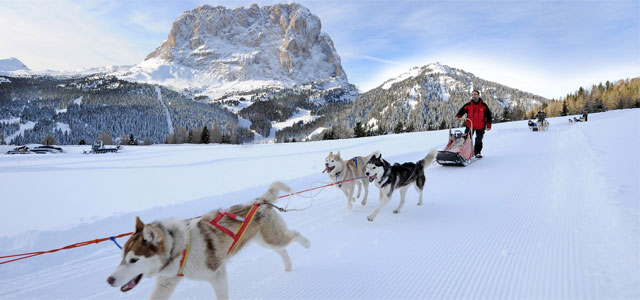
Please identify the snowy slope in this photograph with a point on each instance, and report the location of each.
(13, 67)
(544, 215)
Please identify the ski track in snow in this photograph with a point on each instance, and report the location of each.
(540, 217)
(166, 110)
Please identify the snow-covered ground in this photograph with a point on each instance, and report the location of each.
(545, 215)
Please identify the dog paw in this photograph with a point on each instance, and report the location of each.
(370, 218)
(419, 203)
(364, 202)
(395, 211)
(305, 243)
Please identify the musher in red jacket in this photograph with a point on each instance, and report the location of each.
(480, 115)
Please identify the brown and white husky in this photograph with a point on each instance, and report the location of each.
(340, 170)
(158, 248)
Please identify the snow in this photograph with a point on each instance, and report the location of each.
(545, 215)
(166, 110)
(373, 122)
(415, 71)
(11, 65)
(445, 81)
(303, 115)
(10, 120)
(64, 127)
(78, 101)
(318, 130)
(26, 126)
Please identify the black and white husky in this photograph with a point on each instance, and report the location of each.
(389, 177)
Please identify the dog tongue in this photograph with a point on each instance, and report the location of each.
(131, 284)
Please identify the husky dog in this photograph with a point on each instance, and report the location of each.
(171, 249)
(388, 178)
(339, 170)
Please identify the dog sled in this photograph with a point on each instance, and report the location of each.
(47, 149)
(98, 147)
(20, 150)
(576, 120)
(459, 149)
(538, 126)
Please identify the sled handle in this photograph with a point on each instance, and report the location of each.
(463, 119)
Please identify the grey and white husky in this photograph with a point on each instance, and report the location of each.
(339, 170)
(389, 177)
(173, 249)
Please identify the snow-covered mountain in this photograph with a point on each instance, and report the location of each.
(216, 51)
(13, 67)
(426, 95)
(422, 99)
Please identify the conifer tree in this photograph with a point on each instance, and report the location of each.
(565, 108)
(410, 128)
(443, 125)
(204, 137)
(359, 130)
(505, 114)
(399, 128)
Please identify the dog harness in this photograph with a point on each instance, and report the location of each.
(185, 253)
(245, 223)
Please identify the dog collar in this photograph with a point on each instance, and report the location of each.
(185, 253)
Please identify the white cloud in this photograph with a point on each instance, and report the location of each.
(57, 35)
(150, 23)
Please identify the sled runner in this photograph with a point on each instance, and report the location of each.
(533, 126)
(459, 150)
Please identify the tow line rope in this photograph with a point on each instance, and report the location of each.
(16, 257)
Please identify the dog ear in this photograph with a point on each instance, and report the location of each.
(338, 154)
(151, 235)
(139, 224)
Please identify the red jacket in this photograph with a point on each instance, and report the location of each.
(478, 112)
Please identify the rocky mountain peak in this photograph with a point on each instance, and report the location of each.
(283, 42)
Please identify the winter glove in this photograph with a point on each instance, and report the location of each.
(488, 127)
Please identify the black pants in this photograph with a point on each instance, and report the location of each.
(477, 145)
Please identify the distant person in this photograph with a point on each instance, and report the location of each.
(585, 114)
(479, 115)
(541, 116)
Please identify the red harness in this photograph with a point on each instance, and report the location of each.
(245, 223)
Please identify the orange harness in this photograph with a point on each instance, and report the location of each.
(245, 223)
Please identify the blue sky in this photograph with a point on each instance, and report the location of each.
(548, 48)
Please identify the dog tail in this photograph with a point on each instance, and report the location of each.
(271, 195)
(427, 160)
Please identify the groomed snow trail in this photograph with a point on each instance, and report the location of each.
(545, 215)
(166, 110)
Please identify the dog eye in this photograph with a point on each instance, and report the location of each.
(133, 260)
